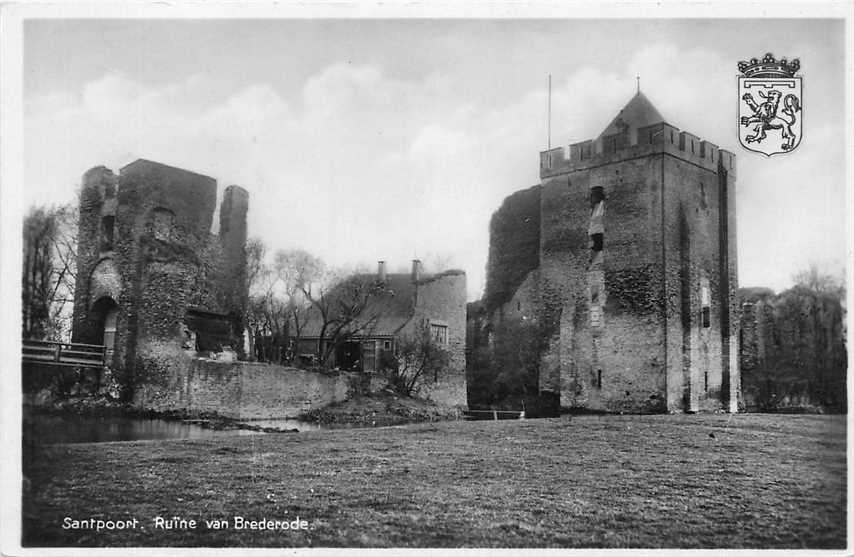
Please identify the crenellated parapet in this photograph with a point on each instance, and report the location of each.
(633, 143)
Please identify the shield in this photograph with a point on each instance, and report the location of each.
(769, 114)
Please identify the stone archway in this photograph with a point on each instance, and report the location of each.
(104, 316)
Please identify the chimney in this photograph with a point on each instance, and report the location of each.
(416, 269)
(381, 271)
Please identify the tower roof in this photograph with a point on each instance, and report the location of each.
(639, 112)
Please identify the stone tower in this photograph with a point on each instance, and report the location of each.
(636, 269)
(150, 273)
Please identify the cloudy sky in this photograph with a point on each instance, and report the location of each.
(361, 140)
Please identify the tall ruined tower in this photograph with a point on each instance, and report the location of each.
(150, 275)
(636, 275)
(234, 293)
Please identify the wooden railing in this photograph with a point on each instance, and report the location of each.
(64, 353)
(494, 414)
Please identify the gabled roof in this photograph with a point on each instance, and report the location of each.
(638, 113)
(393, 306)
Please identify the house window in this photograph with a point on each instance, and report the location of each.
(386, 345)
(609, 143)
(439, 333)
(108, 223)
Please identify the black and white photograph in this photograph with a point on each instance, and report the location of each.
(381, 275)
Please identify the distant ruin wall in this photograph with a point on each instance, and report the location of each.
(793, 353)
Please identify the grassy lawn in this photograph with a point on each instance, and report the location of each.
(745, 480)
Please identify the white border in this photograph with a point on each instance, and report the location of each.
(11, 164)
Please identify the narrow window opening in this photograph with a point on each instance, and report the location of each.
(162, 223)
(518, 306)
(598, 378)
(107, 227)
(705, 301)
(597, 241)
(706, 379)
(597, 218)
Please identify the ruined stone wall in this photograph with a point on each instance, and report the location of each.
(793, 353)
(608, 345)
(233, 288)
(241, 389)
(630, 240)
(97, 199)
(163, 222)
(514, 233)
(162, 260)
(692, 262)
(441, 299)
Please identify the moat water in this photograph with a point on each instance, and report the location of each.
(44, 429)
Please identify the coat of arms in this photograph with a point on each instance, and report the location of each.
(769, 106)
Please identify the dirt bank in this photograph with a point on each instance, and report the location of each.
(380, 409)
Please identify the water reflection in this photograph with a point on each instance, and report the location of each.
(43, 429)
(285, 425)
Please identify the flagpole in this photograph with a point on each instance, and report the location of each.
(550, 112)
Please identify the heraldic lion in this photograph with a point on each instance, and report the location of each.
(765, 117)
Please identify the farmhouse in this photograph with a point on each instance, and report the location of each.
(401, 306)
(625, 256)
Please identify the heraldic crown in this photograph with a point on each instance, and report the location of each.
(769, 67)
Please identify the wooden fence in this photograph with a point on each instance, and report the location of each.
(494, 414)
(64, 353)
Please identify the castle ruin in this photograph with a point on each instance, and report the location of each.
(625, 254)
(153, 281)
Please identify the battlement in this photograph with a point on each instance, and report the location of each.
(633, 143)
(144, 185)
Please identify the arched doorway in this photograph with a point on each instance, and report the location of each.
(104, 314)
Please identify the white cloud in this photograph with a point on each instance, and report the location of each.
(362, 165)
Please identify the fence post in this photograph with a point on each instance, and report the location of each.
(57, 350)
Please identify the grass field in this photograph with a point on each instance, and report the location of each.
(739, 481)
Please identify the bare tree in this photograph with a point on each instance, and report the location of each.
(48, 272)
(819, 282)
(343, 303)
(293, 269)
(267, 311)
(418, 357)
